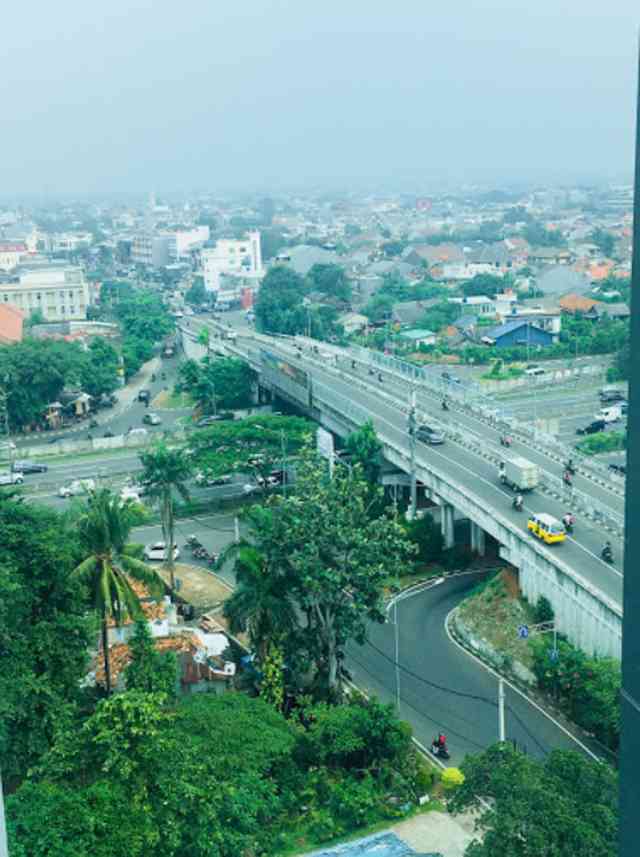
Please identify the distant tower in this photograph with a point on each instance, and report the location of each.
(150, 216)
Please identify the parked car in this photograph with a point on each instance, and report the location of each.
(429, 435)
(151, 419)
(26, 466)
(144, 395)
(137, 432)
(593, 427)
(158, 551)
(108, 433)
(621, 469)
(77, 487)
(11, 478)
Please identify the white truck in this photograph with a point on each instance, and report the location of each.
(11, 478)
(518, 473)
(611, 414)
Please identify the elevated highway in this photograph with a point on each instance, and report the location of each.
(336, 388)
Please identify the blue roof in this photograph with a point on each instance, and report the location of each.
(378, 845)
(495, 332)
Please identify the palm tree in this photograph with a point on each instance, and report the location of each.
(165, 471)
(260, 603)
(104, 530)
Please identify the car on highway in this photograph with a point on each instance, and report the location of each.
(11, 478)
(212, 419)
(611, 394)
(144, 395)
(76, 488)
(209, 480)
(137, 432)
(429, 435)
(546, 528)
(108, 433)
(151, 419)
(620, 469)
(158, 551)
(592, 428)
(27, 466)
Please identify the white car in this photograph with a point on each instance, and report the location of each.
(208, 479)
(130, 493)
(11, 478)
(158, 551)
(78, 486)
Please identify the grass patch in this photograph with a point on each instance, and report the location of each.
(171, 400)
(603, 441)
(493, 613)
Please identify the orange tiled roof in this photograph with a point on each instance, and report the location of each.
(576, 303)
(120, 654)
(11, 319)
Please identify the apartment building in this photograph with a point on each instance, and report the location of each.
(11, 252)
(233, 258)
(150, 250)
(60, 293)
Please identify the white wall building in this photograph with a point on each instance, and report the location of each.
(183, 241)
(67, 242)
(60, 293)
(11, 252)
(150, 250)
(235, 258)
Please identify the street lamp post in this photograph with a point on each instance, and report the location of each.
(411, 426)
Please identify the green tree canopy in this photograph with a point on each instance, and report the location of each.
(331, 280)
(149, 670)
(44, 632)
(216, 383)
(564, 806)
(196, 293)
(365, 449)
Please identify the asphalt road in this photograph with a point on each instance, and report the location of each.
(581, 551)
(441, 687)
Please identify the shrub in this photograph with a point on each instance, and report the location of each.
(602, 441)
(543, 610)
(452, 778)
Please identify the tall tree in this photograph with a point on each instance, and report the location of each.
(261, 603)
(365, 448)
(166, 471)
(214, 382)
(149, 670)
(564, 806)
(103, 530)
(335, 558)
(45, 632)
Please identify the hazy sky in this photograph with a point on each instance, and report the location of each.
(141, 94)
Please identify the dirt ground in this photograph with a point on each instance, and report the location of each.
(198, 586)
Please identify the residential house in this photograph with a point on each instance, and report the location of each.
(574, 303)
(418, 337)
(410, 312)
(353, 322)
(561, 279)
(549, 256)
(514, 333)
(303, 257)
(480, 304)
(434, 254)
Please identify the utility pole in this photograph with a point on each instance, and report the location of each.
(4, 416)
(396, 631)
(411, 425)
(629, 756)
(502, 734)
(4, 848)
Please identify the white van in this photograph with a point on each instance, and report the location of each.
(77, 487)
(610, 415)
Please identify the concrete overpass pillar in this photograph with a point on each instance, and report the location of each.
(477, 539)
(446, 525)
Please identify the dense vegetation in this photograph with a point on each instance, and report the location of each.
(38, 370)
(564, 806)
(217, 383)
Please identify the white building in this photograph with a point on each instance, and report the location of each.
(60, 293)
(183, 241)
(234, 258)
(11, 252)
(67, 242)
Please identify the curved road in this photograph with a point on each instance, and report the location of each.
(441, 687)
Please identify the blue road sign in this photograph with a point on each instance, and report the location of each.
(554, 654)
(523, 631)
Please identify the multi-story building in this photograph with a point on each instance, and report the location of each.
(59, 292)
(150, 250)
(67, 242)
(183, 241)
(233, 258)
(11, 252)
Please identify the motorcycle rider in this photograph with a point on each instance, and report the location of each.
(445, 406)
(568, 520)
(518, 502)
(566, 477)
(569, 467)
(607, 552)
